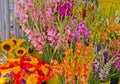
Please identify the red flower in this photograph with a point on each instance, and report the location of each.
(84, 14)
(13, 64)
(17, 77)
(92, 8)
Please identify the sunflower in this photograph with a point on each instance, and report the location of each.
(20, 42)
(30, 50)
(17, 42)
(20, 51)
(14, 40)
(7, 46)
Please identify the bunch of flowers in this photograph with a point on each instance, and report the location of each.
(76, 66)
(50, 24)
(25, 70)
(57, 26)
(14, 47)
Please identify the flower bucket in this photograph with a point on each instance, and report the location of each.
(108, 82)
(54, 80)
(114, 81)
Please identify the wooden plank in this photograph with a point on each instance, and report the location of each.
(2, 20)
(16, 25)
(7, 18)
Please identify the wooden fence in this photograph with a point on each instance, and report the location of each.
(8, 26)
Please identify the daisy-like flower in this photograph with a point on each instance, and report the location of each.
(32, 77)
(7, 46)
(30, 50)
(17, 42)
(44, 70)
(14, 40)
(20, 51)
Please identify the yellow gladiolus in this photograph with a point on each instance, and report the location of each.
(109, 6)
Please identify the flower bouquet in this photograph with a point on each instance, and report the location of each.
(73, 39)
(18, 64)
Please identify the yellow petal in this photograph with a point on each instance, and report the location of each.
(32, 79)
(2, 80)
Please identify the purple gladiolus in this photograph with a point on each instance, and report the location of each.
(99, 48)
(103, 76)
(106, 57)
(96, 65)
(117, 64)
(52, 36)
(64, 9)
(82, 30)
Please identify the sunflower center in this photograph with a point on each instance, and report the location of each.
(20, 51)
(6, 47)
(30, 50)
(14, 41)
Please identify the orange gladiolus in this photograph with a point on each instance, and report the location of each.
(111, 21)
(77, 64)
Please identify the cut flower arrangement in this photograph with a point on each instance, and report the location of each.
(73, 40)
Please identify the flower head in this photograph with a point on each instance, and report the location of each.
(7, 46)
(65, 8)
(52, 36)
(96, 65)
(20, 51)
(117, 64)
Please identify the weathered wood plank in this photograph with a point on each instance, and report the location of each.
(7, 18)
(2, 19)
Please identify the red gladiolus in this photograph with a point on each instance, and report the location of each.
(92, 8)
(84, 14)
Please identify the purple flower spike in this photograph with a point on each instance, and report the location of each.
(106, 57)
(96, 65)
(117, 64)
(99, 48)
(64, 9)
